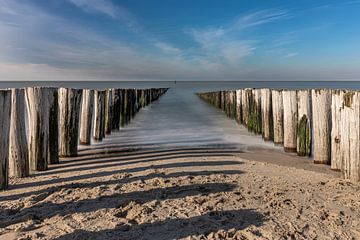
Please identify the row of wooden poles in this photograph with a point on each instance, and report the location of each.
(58, 119)
(321, 123)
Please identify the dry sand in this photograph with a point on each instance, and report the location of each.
(180, 193)
(182, 170)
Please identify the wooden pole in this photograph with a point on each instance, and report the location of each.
(18, 151)
(238, 105)
(304, 128)
(290, 120)
(254, 119)
(123, 118)
(108, 111)
(99, 109)
(267, 115)
(53, 140)
(69, 106)
(5, 108)
(278, 116)
(143, 96)
(116, 102)
(129, 107)
(321, 106)
(86, 116)
(37, 101)
(350, 136)
(245, 106)
(337, 102)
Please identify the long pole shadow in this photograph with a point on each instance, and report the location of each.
(167, 229)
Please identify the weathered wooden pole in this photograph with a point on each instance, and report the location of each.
(69, 109)
(53, 140)
(5, 108)
(267, 115)
(108, 111)
(337, 102)
(18, 151)
(304, 128)
(238, 105)
(116, 103)
(321, 106)
(245, 106)
(123, 112)
(290, 120)
(129, 107)
(278, 116)
(350, 136)
(133, 102)
(37, 101)
(233, 105)
(254, 120)
(86, 116)
(99, 110)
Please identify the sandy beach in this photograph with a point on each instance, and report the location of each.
(184, 172)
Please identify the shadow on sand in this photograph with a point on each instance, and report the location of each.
(178, 228)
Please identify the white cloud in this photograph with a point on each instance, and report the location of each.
(290, 55)
(109, 9)
(98, 6)
(262, 17)
(167, 48)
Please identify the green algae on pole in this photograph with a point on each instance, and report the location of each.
(304, 128)
(69, 109)
(86, 116)
(290, 120)
(18, 151)
(5, 108)
(254, 118)
(37, 101)
(321, 106)
(278, 116)
(350, 136)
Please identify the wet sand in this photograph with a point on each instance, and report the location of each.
(182, 170)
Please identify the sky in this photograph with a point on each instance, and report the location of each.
(179, 40)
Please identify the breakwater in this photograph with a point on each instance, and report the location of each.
(58, 120)
(320, 123)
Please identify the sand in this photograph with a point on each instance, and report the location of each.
(180, 193)
(184, 172)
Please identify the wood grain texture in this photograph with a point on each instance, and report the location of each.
(18, 149)
(290, 120)
(37, 101)
(304, 123)
(69, 110)
(321, 106)
(5, 108)
(350, 136)
(278, 116)
(86, 116)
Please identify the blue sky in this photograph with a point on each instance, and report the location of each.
(179, 40)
